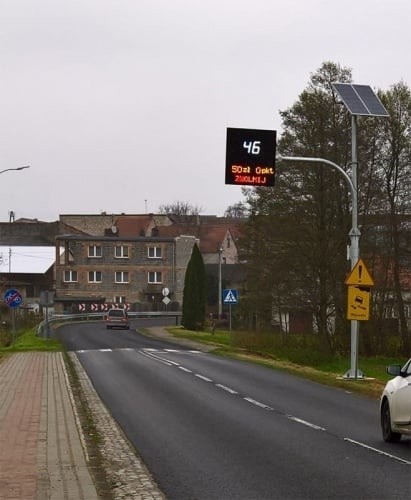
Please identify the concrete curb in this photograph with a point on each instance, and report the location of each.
(125, 471)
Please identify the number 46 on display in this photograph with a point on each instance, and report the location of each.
(252, 147)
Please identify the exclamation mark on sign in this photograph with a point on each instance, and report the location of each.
(359, 272)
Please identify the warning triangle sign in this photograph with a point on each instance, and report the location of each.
(359, 275)
(230, 297)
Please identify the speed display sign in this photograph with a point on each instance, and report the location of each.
(250, 157)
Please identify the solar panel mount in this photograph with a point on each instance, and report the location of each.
(360, 99)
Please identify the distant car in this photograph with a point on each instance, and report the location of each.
(117, 318)
(395, 404)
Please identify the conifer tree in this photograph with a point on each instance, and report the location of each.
(194, 296)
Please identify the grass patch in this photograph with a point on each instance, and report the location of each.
(27, 340)
(219, 338)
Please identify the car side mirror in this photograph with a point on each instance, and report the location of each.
(394, 370)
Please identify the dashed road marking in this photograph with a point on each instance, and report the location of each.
(258, 403)
(225, 388)
(154, 354)
(206, 379)
(304, 422)
(184, 369)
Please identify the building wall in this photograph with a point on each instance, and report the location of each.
(28, 233)
(91, 224)
(229, 254)
(175, 254)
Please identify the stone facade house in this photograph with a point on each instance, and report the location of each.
(130, 260)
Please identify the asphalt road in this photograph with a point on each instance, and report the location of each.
(213, 428)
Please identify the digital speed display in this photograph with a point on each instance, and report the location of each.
(250, 157)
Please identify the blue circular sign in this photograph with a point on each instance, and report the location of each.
(13, 298)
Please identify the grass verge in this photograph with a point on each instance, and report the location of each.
(28, 340)
(298, 360)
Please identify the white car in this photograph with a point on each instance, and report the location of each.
(395, 405)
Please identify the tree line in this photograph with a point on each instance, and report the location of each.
(296, 235)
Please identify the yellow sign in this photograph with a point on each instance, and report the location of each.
(359, 275)
(358, 303)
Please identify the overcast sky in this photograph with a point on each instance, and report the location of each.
(123, 105)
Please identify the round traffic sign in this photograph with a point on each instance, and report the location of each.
(13, 298)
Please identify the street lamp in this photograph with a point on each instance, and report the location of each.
(354, 235)
(18, 168)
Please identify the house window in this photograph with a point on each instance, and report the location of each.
(155, 277)
(70, 276)
(119, 299)
(95, 251)
(228, 242)
(121, 277)
(154, 253)
(121, 252)
(95, 277)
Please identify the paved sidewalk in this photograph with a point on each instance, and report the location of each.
(41, 452)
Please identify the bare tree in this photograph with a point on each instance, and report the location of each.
(181, 208)
(237, 210)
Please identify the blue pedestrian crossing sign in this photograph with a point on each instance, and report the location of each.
(230, 296)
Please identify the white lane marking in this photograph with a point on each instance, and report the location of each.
(376, 450)
(304, 422)
(157, 358)
(257, 403)
(184, 369)
(225, 388)
(174, 351)
(146, 349)
(203, 378)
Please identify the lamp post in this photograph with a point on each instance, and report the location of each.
(220, 291)
(354, 235)
(13, 312)
(18, 168)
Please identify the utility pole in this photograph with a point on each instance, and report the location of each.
(220, 291)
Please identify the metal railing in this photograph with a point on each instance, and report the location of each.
(43, 329)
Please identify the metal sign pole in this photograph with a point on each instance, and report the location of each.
(13, 326)
(355, 234)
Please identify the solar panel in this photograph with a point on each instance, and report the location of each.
(360, 99)
(371, 100)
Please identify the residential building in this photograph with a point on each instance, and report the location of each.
(94, 273)
(131, 260)
(96, 260)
